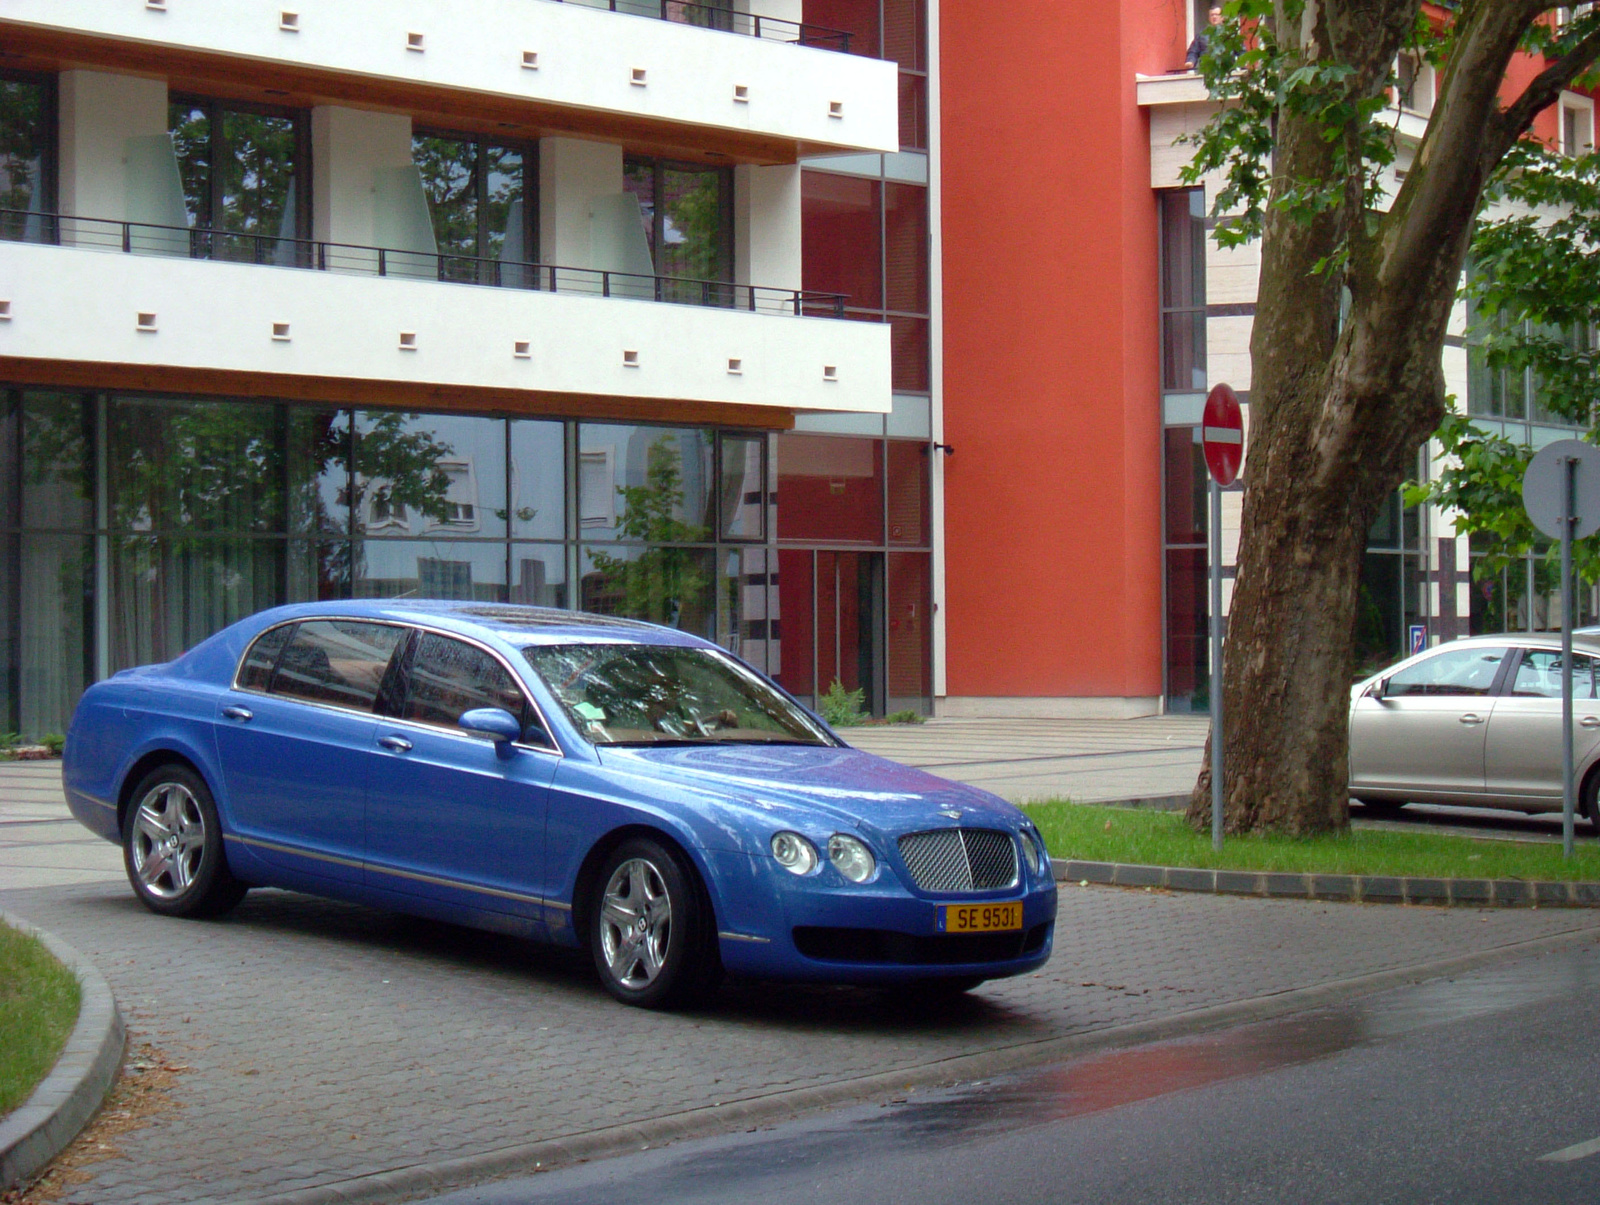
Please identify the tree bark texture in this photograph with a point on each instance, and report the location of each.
(1338, 412)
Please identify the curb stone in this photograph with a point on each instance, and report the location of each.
(40, 1128)
(433, 1178)
(1349, 888)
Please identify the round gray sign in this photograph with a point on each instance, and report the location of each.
(1546, 478)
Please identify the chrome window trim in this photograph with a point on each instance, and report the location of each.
(554, 749)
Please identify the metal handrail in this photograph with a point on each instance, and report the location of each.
(728, 20)
(198, 242)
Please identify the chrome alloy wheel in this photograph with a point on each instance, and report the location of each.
(635, 923)
(169, 839)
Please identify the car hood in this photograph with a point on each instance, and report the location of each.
(841, 784)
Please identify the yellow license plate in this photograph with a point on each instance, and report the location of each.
(980, 918)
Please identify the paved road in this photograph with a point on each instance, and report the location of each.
(327, 1042)
(1479, 1088)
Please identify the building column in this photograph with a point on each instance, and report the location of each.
(574, 174)
(116, 158)
(365, 189)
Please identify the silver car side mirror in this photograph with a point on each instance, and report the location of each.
(1379, 689)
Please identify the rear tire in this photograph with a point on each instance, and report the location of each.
(650, 930)
(172, 847)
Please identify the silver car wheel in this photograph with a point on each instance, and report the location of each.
(169, 839)
(635, 923)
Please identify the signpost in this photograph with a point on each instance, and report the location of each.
(1222, 437)
(1561, 493)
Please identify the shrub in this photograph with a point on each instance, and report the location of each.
(841, 707)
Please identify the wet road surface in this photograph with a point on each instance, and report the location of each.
(1480, 1088)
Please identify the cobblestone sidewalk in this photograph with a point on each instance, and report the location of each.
(328, 1041)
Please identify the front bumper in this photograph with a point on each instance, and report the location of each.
(822, 929)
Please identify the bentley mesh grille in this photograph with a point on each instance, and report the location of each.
(960, 859)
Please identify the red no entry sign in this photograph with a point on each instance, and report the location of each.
(1222, 434)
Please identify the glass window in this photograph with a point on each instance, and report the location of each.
(742, 490)
(635, 694)
(478, 197)
(261, 658)
(1188, 619)
(841, 237)
(913, 111)
(46, 619)
(204, 466)
(1183, 249)
(468, 570)
(336, 661)
(56, 462)
(244, 174)
(688, 219)
(905, 245)
(908, 491)
(672, 586)
(908, 354)
(830, 488)
(1186, 485)
(792, 624)
(27, 157)
(539, 575)
(910, 631)
(448, 678)
(1468, 671)
(650, 484)
(1539, 676)
(439, 475)
(538, 480)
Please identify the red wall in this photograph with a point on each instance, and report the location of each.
(1053, 558)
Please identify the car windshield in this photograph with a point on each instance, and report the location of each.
(647, 694)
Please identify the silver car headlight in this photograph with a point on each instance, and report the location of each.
(851, 858)
(794, 853)
(1030, 851)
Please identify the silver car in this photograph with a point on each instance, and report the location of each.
(1478, 722)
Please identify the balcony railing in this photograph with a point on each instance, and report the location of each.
(189, 242)
(715, 16)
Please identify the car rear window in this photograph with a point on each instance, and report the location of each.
(255, 671)
(336, 661)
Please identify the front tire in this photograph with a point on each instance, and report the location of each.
(1591, 798)
(172, 847)
(648, 928)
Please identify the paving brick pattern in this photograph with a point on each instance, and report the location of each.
(327, 1041)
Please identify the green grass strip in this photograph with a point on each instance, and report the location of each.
(38, 1008)
(1154, 838)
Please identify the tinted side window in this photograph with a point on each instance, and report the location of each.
(256, 668)
(1539, 676)
(336, 661)
(1469, 671)
(450, 677)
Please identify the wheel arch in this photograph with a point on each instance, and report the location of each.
(143, 765)
(583, 887)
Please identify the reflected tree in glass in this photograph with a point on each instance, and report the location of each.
(661, 582)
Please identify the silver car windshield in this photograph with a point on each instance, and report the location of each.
(646, 694)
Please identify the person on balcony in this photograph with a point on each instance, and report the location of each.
(1201, 39)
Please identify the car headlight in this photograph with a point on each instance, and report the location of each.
(794, 853)
(1036, 839)
(851, 858)
(1030, 851)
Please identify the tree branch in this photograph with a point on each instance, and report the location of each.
(1545, 90)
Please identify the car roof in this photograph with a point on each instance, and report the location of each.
(512, 622)
(1587, 640)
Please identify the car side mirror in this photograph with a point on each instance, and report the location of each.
(1379, 689)
(496, 723)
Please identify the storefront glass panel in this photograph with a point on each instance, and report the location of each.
(830, 488)
(651, 484)
(670, 586)
(46, 601)
(909, 645)
(908, 491)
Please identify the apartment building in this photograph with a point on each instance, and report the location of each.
(501, 299)
(865, 337)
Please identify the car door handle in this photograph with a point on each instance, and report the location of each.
(238, 713)
(398, 743)
(1472, 718)
(1590, 721)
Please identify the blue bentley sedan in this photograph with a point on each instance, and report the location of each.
(571, 778)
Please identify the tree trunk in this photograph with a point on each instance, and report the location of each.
(1338, 409)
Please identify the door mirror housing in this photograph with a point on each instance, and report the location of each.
(1379, 689)
(499, 725)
